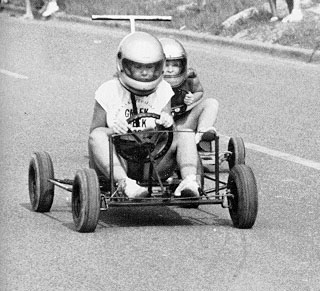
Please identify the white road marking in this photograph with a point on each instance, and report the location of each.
(281, 155)
(11, 74)
(284, 156)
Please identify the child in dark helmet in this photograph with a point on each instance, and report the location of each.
(191, 110)
(139, 84)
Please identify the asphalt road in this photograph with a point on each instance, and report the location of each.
(49, 72)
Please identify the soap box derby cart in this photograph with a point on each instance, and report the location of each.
(93, 192)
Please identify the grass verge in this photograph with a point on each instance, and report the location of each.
(204, 16)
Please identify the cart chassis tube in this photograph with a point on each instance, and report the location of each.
(112, 188)
(216, 163)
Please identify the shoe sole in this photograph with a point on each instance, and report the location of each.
(139, 197)
(188, 193)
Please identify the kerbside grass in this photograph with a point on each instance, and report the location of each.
(198, 15)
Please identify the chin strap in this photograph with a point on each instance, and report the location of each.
(134, 108)
(136, 169)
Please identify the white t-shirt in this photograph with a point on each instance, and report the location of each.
(116, 101)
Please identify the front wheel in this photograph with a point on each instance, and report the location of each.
(41, 190)
(243, 206)
(86, 200)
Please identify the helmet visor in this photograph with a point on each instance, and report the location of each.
(142, 72)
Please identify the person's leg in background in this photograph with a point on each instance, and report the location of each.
(295, 12)
(273, 8)
(43, 7)
(28, 14)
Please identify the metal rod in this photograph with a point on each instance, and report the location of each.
(132, 18)
(163, 203)
(150, 177)
(61, 185)
(112, 188)
(132, 25)
(216, 163)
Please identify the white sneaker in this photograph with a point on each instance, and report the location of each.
(188, 187)
(274, 18)
(133, 190)
(51, 8)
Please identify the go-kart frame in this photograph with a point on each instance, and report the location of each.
(92, 193)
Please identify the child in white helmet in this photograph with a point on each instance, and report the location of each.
(139, 87)
(191, 110)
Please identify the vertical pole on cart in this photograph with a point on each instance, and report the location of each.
(112, 188)
(216, 163)
(132, 25)
(132, 18)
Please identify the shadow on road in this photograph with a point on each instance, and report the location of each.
(141, 217)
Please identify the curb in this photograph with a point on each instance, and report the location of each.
(300, 54)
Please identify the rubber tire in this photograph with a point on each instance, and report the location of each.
(86, 200)
(41, 191)
(238, 152)
(244, 205)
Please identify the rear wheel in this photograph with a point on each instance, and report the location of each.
(238, 152)
(86, 200)
(243, 206)
(41, 191)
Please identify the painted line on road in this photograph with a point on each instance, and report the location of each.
(282, 155)
(11, 74)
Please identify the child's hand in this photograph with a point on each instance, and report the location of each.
(165, 120)
(120, 126)
(188, 99)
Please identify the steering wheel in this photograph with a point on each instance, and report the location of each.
(144, 146)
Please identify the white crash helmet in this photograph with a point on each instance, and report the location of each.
(174, 50)
(136, 49)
